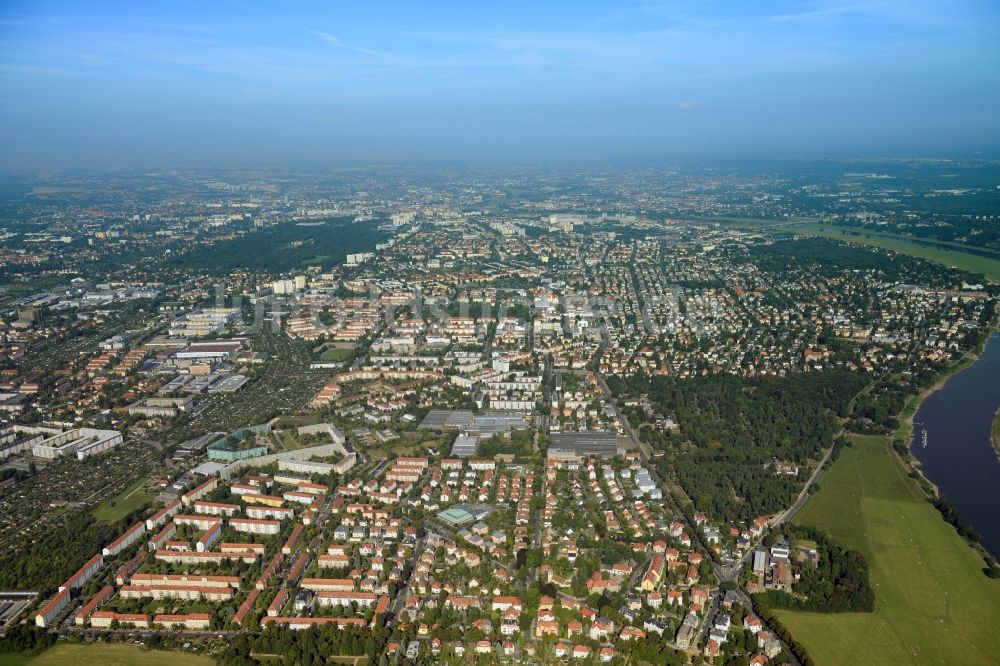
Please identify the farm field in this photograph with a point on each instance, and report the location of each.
(933, 603)
(127, 501)
(107, 654)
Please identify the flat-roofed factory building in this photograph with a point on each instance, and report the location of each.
(583, 445)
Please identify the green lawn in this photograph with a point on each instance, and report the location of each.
(933, 604)
(15, 659)
(954, 258)
(127, 501)
(110, 654)
(287, 441)
(335, 355)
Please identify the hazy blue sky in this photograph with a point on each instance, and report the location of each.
(148, 82)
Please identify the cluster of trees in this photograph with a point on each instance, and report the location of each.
(325, 246)
(44, 563)
(654, 649)
(837, 584)
(741, 644)
(519, 444)
(470, 308)
(731, 428)
(612, 552)
(315, 645)
(771, 620)
(877, 410)
(952, 517)
(824, 256)
(26, 638)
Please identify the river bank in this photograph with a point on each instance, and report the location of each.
(905, 430)
(904, 433)
(951, 448)
(995, 437)
(932, 600)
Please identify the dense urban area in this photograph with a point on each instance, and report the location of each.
(468, 416)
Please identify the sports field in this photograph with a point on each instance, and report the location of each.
(334, 355)
(127, 501)
(933, 605)
(109, 654)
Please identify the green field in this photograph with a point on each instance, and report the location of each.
(953, 258)
(128, 500)
(933, 603)
(15, 659)
(108, 654)
(335, 355)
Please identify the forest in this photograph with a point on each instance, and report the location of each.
(47, 561)
(321, 245)
(26, 639)
(823, 257)
(732, 428)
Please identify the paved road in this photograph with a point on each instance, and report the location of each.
(626, 426)
(732, 573)
(381, 466)
(709, 619)
(804, 493)
(723, 575)
(400, 600)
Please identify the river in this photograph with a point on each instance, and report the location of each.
(959, 458)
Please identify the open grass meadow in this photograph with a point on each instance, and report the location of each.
(953, 258)
(933, 603)
(128, 500)
(106, 654)
(15, 659)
